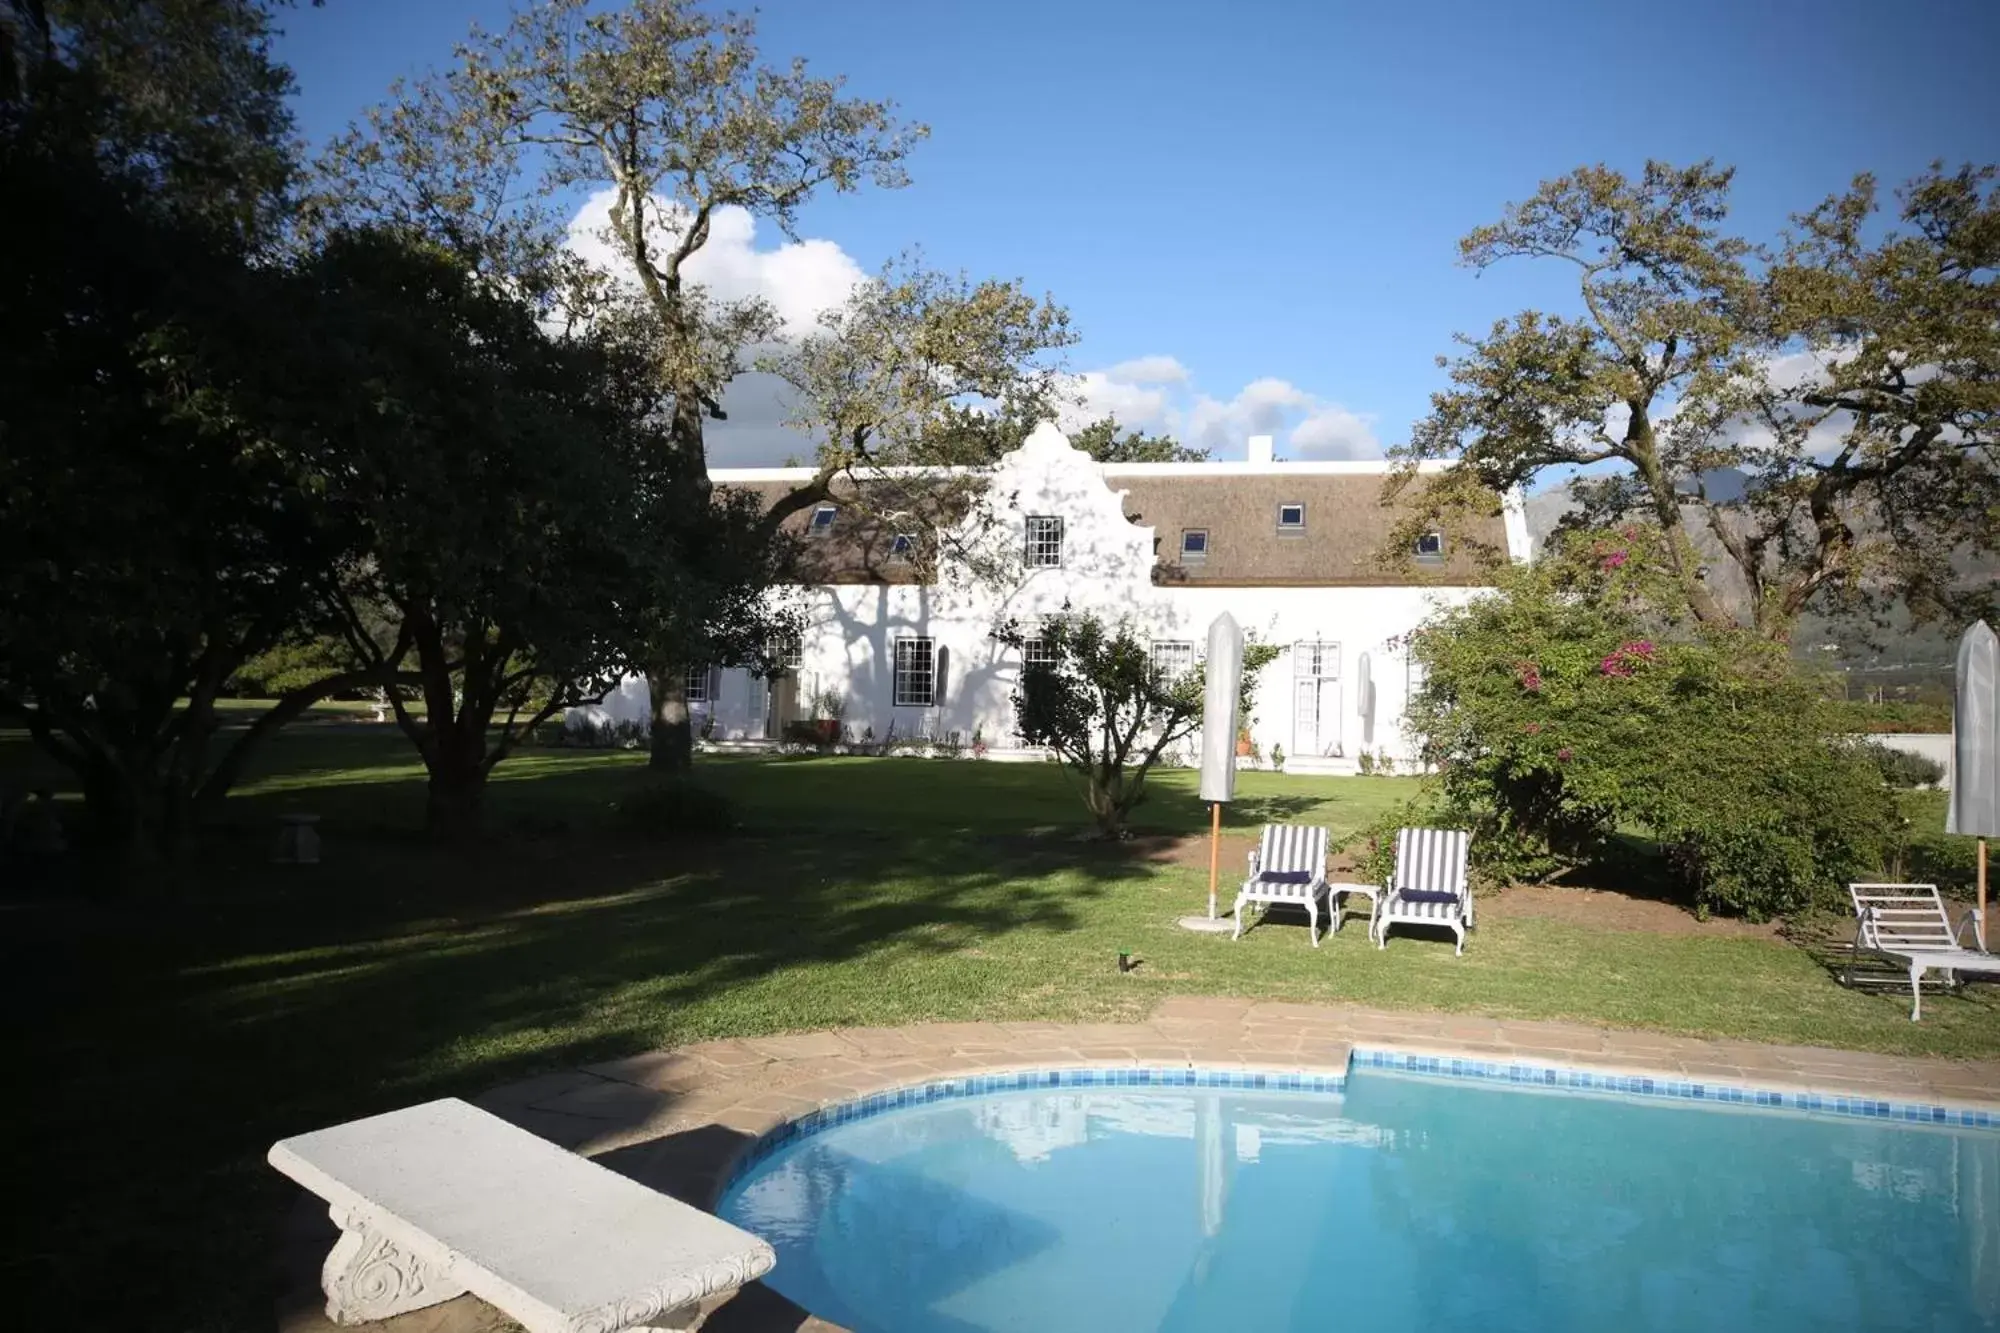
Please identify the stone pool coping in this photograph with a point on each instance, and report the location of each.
(683, 1119)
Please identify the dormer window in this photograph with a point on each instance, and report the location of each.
(901, 547)
(1044, 541)
(1194, 546)
(1430, 548)
(821, 521)
(1291, 518)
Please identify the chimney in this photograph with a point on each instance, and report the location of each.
(1260, 449)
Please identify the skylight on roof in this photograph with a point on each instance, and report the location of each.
(821, 521)
(1291, 517)
(1194, 544)
(901, 546)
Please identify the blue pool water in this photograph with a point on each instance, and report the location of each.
(1405, 1203)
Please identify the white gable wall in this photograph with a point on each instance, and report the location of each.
(1106, 569)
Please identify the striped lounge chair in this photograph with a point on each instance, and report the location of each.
(1289, 866)
(1427, 886)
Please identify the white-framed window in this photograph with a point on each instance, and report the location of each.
(700, 685)
(1172, 658)
(1044, 541)
(1430, 548)
(1037, 652)
(1319, 660)
(1194, 545)
(901, 547)
(821, 521)
(915, 673)
(1292, 517)
(786, 651)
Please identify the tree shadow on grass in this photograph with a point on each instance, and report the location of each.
(174, 1036)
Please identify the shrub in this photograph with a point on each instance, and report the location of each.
(1900, 768)
(668, 807)
(1858, 716)
(1561, 710)
(1101, 706)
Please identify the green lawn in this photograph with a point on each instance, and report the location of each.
(167, 1038)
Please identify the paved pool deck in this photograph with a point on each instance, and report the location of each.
(679, 1119)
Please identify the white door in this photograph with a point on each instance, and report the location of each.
(1316, 698)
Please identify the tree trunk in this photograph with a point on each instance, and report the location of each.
(1107, 800)
(124, 811)
(455, 801)
(673, 724)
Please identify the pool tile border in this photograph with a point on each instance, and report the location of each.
(1025, 1080)
(1670, 1087)
(1515, 1073)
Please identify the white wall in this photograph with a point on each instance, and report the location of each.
(1933, 746)
(1106, 570)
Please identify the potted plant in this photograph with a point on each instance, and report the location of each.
(826, 708)
(1243, 745)
(1277, 758)
(978, 744)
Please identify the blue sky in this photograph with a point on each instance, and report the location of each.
(1253, 208)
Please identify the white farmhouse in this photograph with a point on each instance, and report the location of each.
(1289, 548)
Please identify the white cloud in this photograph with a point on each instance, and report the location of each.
(1334, 432)
(799, 278)
(1313, 426)
(1096, 394)
(1148, 370)
(1154, 393)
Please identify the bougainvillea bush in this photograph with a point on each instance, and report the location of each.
(1564, 709)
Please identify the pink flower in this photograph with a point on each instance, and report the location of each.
(1614, 560)
(1638, 648)
(1533, 728)
(1565, 754)
(1615, 665)
(1629, 532)
(1530, 676)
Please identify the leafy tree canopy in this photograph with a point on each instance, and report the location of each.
(1846, 379)
(154, 539)
(1105, 441)
(1567, 707)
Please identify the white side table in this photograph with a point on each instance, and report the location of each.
(1336, 892)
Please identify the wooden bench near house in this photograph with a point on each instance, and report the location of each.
(442, 1199)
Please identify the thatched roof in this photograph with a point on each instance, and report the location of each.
(1346, 527)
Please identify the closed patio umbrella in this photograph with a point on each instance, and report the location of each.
(1975, 749)
(1218, 733)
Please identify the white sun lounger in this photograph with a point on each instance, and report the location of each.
(1289, 866)
(1907, 922)
(1428, 886)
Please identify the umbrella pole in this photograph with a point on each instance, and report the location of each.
(1978, 922)
(1215, 858)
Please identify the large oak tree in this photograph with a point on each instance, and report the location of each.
(673, 110)
(1843, 383)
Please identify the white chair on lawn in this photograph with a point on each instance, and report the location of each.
(1289, 866)
(1907, 922)
(1427, 887)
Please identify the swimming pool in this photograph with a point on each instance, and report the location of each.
(1403, 1202)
